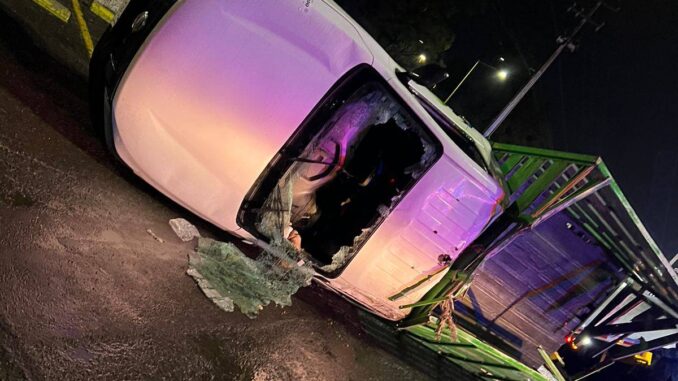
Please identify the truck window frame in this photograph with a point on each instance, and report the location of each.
(341, 91)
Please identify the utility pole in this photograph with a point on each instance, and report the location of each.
(563, 42)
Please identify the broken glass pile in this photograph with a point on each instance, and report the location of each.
(229, 277)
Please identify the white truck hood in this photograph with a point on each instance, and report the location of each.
(224, 82)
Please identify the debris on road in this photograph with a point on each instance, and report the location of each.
(227, 276)
(155, 237)
(223, 302)
(184, 229)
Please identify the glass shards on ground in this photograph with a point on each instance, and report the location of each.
(229, 277)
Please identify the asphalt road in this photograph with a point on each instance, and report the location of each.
(86, 292)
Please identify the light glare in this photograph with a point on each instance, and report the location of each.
(502, 75)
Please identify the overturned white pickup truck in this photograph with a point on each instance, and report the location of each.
(287, 125)
(286, 120)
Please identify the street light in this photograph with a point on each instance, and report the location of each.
(502, 75)
(586, 341)
(421, 58)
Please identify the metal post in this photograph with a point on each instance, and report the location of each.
(602, 307)
(564, 42)
(633, 327)
(462, 81)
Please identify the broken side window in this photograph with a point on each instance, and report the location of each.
(329, 194)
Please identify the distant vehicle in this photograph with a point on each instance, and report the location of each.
(285, 119)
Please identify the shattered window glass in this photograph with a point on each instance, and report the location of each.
(347, 179)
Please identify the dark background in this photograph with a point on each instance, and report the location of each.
(614, 96)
